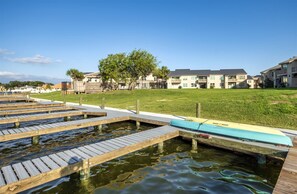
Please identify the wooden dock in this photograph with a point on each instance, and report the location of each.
(31, 106)
(31, 173)
(287, 180)
(25, 132)
(4, 105)
(37, 110)
(36, 117)
(16, 99)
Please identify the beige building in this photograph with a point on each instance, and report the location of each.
(282, 75)
(254, 81)
(223, 78)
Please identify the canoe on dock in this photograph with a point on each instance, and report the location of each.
(247, 135)
(233, 125)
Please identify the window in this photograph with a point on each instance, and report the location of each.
(185, 79)
(212, 77)
(241, 77)
(212, 84)
(193, 85)
(222, 78)
(185, 85)
(193, 78)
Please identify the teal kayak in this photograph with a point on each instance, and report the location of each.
(233, 132)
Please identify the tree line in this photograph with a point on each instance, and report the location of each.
(14, 84)
(122, 68)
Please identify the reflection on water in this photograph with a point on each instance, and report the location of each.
(176, 170)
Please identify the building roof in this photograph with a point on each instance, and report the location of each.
(272, 68)
(291, 60)
(206, 72)
(249, 77)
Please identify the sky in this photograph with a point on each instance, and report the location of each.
(42, 39)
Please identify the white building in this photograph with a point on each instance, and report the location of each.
(223, 78)
(282, 75)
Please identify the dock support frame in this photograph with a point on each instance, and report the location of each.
(35, 140)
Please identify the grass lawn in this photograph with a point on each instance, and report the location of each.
(269, 107)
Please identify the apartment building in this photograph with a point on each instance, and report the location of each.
(282, 75)
(254, 82)
(223, 78)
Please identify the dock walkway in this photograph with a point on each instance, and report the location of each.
(37, 110)
(34, 117)
(25, 132)
(31, 173)
(287, 180)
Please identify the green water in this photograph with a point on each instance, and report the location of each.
(176, 170)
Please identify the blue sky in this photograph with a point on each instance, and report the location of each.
(44, 38)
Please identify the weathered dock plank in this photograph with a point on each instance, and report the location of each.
(16, 99)
(26, 118)
(67, 162)
(287, 180)
(58, 127)
(247, 147)
(31, 106)
(39, 110)
(2, 105)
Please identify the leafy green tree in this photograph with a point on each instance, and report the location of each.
(116, 68)
(75, 74)
(141, 64)
(113, 69)
(163, 75)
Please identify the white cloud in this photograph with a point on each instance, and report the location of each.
(37, 59)
(7, 73)
(6, 52)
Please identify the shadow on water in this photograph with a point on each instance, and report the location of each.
(176, 170)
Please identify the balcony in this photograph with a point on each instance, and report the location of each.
(294, 69)
(202, 80)
(175, 81)
(281, 72)
(232, 80)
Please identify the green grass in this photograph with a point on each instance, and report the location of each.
(269, 107)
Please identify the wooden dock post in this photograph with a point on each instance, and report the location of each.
(85, 172)
(67, 118)
(35, 140)
(80, 101)
(261, 159)
(194, 145)
(198, 110)
(161, 147)
(137, 112)
(102, 103)
(137, 106)
(17, 124)
(99, 128)
(85, 116)
(64, 99)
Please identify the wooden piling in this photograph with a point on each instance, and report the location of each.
(35, 140)
(17, 124)
(194, 145)
(261, 159)
(198, 110)
(137, 106)
(64, 99)
(102, 103)
(80, 101)
(161, 147)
